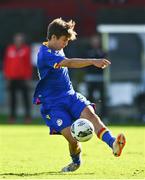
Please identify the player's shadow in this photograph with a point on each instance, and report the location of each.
(42, 173)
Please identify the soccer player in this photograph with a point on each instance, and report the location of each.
(60, 104)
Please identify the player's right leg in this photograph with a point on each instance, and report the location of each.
(60, 121)
(75, 150)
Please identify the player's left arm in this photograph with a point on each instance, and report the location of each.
(80, 63)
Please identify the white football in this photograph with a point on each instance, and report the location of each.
(82, 130)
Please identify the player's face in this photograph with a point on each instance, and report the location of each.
(18, 40)
(61, 43)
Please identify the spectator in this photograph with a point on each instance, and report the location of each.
(17, 71)
(94, 77)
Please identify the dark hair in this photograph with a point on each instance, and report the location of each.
(59, 27)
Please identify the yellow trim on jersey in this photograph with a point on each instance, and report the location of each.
(56, 66)
(45, 44)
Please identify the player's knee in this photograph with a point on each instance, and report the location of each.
(93, 117)
(89, 113)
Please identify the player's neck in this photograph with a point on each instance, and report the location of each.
(51, 45)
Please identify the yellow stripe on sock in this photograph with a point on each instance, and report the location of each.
(101, 135)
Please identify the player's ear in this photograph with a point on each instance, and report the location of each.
(53, 37)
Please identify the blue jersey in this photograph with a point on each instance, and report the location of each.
(61, 105)
(54, 80)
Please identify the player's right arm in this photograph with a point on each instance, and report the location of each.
(80, 63)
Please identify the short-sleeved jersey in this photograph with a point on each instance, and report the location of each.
(54, 80)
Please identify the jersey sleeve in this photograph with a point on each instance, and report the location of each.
(53, 59)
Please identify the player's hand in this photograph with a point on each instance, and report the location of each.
(101, 63)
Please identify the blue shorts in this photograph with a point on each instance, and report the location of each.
(63, 112)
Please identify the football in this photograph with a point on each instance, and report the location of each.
(82, 130)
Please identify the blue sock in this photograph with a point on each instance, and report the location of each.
(76, 158)
(106, 136)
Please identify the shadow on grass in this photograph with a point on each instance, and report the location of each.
(43, 173)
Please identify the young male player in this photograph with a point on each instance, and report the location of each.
(60, 104)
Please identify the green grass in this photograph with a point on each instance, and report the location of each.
(29, 152)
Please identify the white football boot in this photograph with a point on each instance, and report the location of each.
(70, 168)
(118, 145)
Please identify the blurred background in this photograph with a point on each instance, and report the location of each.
(114, 29)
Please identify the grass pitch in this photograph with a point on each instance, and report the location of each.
(29, 152)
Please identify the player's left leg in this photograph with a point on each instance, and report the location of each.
(103, 132)
(75, 150)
